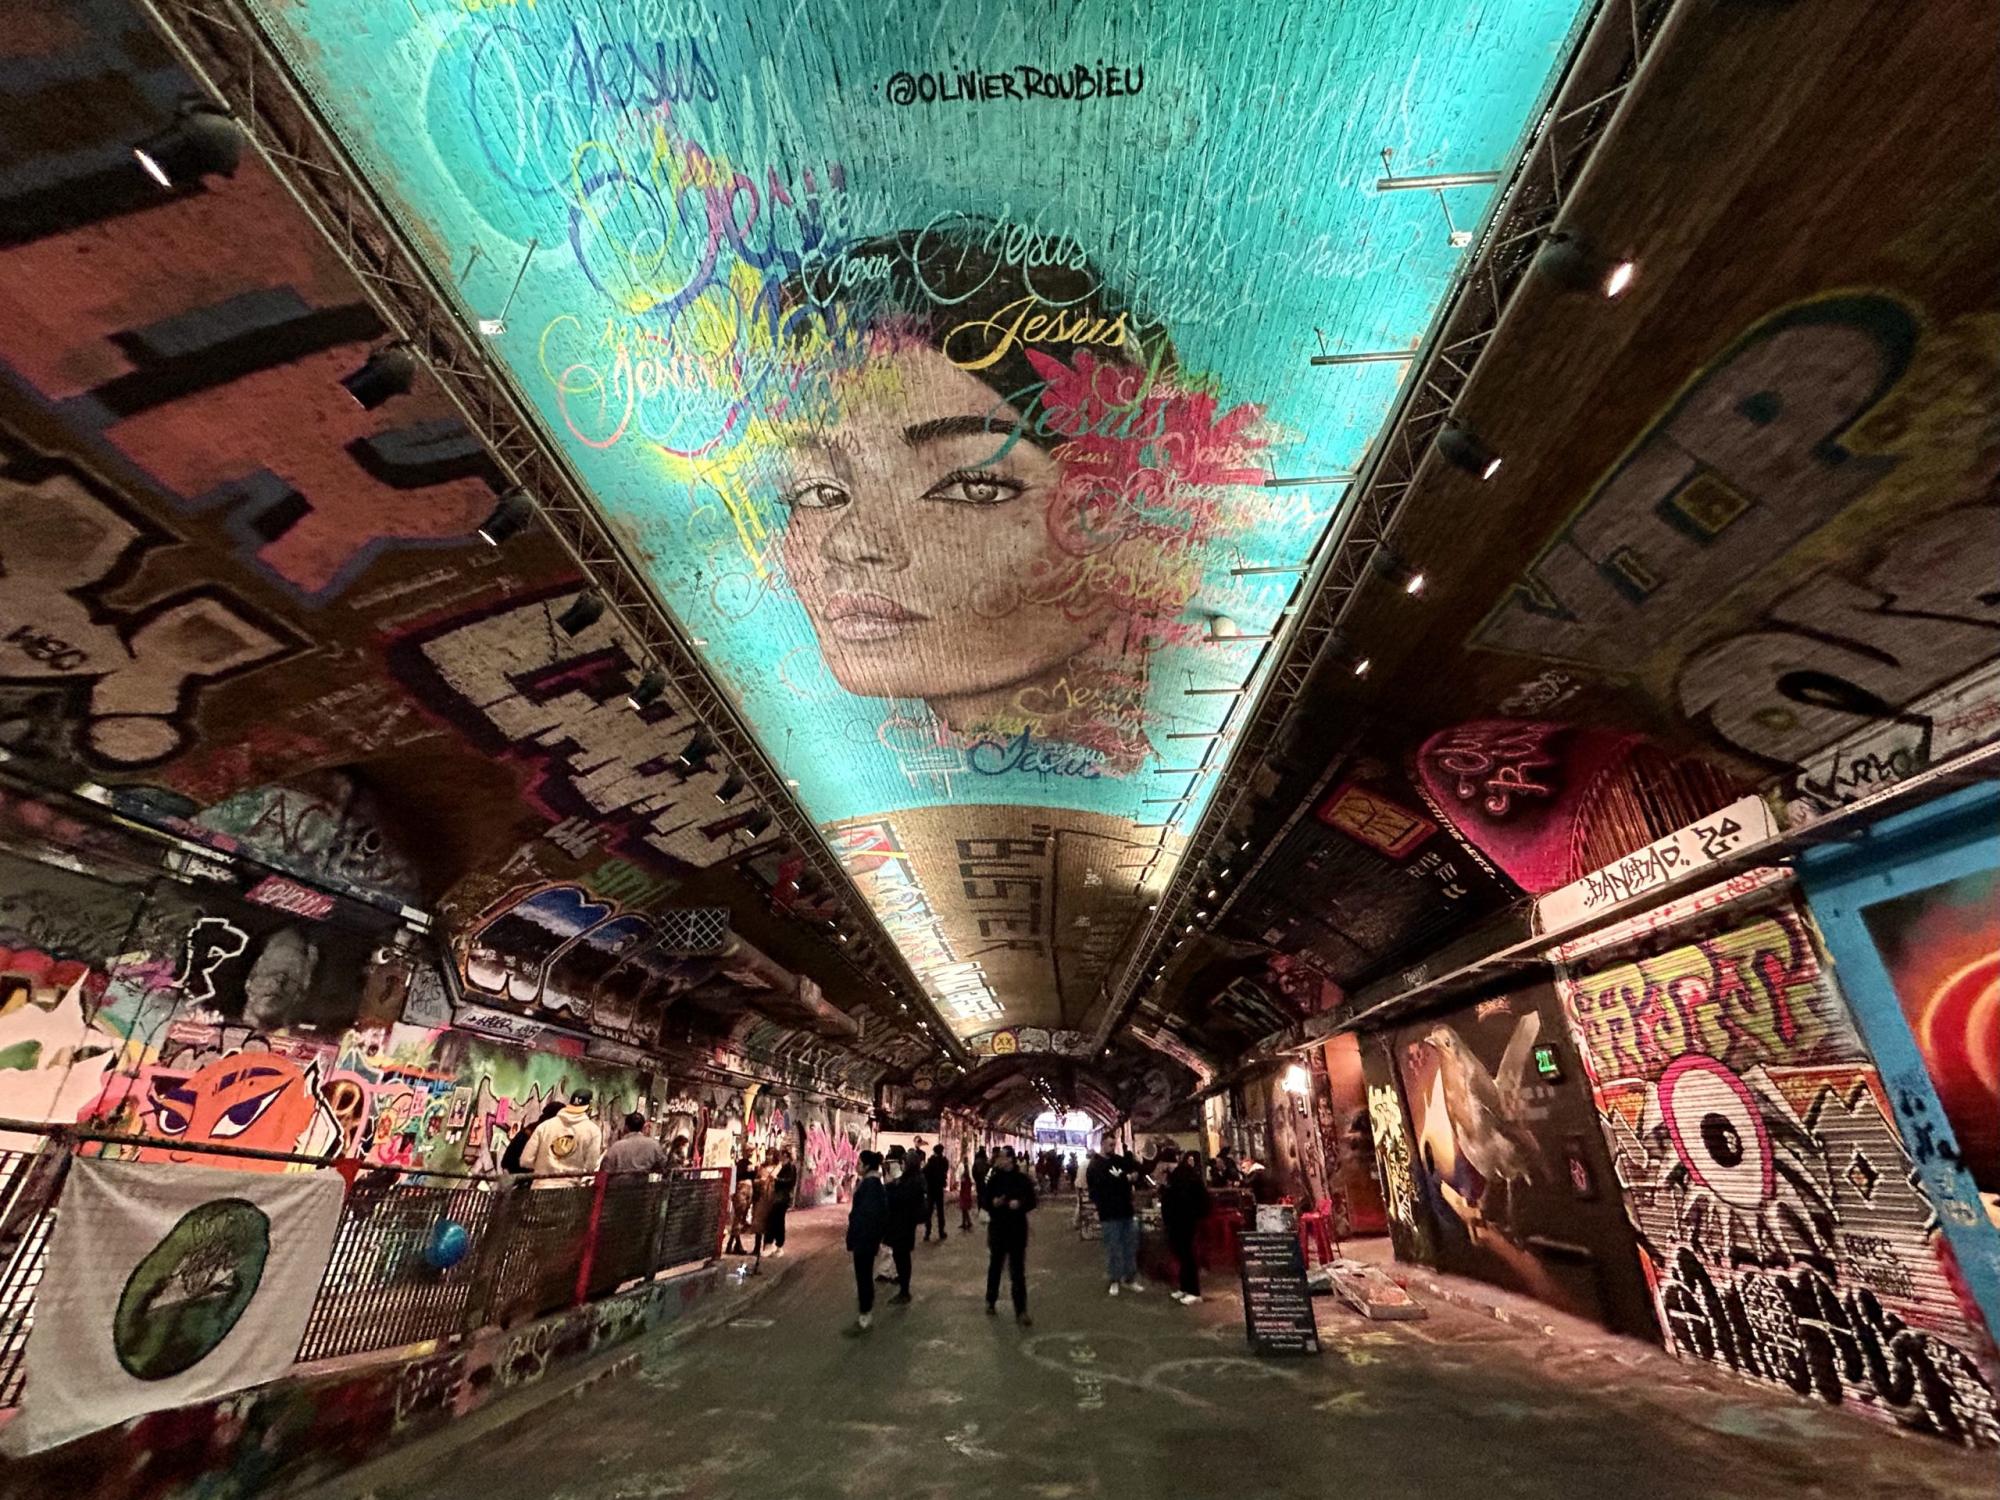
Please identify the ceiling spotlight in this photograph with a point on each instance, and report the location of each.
(202, 142)
(697, 750)
(1349, 655)
(647, 689)
(1410, 580)
(1463, 450)
(584, 611)
(757, 824)
(731, 786)
(388, 372)
(510, 517)
(1572, 264)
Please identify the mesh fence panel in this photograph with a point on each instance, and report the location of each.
(28, 1184)
(381, 1287)
(384, 1286)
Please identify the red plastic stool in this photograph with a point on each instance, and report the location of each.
(1315, 1232)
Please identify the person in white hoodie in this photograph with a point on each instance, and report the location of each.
(568, 1141)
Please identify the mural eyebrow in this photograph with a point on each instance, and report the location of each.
(937, 429)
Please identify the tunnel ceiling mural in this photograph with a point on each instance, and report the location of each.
(936, 367)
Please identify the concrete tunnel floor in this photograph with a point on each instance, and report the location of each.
(1140, 1399)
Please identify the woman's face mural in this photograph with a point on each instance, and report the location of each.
(919, 533)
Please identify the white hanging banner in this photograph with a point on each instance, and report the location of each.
(1705, 841)
(169, 1285)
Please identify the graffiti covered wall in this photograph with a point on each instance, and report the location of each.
(1786, 1234)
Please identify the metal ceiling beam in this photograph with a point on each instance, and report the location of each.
(1618, 41)
(218, 44)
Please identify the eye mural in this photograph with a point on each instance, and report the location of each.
(936, 367)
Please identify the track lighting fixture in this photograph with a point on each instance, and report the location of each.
(647, 689)
(201, 142)
(1410, 580)
(1570, 262)
(510, 517)
(696, 751)
(1462, 449)
(584, 611)
(387, 373)
(1349, 655)
(757, 824)
(731, 786)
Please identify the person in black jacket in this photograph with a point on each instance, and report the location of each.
(510, 1160)
(937, 1173)
(907, 1209)
(1008, 1196)
(867, 1222)
(1109, 1184)
(1183, 1205)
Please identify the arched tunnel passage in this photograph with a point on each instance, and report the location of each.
(651, 662)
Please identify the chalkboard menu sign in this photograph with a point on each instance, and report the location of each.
(1277, 1305)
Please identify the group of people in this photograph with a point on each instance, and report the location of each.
(566, 1142)
(760, 1202)
(1112, 1180)
(1053, 1170)
(897, 1193)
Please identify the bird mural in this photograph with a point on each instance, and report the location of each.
(1488, 1123)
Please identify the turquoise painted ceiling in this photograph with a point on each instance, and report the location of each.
(934, 361)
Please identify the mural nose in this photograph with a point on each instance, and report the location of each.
(857, 541)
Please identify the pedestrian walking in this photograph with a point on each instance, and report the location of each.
(1183, 1205)
(907, 1209)
(784, 1183)
(740, 1203)
(982, 1164)
(968, 1196)
(1109, 1183)
(760, 1203)
(937, 1173)
(867, 1220)
(1008, 1199)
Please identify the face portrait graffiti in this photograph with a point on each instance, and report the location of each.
(997, 503)
(245, 1101)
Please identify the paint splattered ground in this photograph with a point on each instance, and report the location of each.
(1139, 1399)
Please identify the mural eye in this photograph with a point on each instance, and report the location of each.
(816, 494)
(241, 1116)
(169, 1118)
(1717, 1130)
(974, 487)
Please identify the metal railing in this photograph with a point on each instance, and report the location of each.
(532, 1246)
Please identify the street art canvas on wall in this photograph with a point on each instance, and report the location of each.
(200, 1284)
(1941, 946)
(1507, 1163)
(1786, 1233)
(936, 367)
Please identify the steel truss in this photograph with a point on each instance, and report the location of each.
(220, 45)
(1551, 167)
